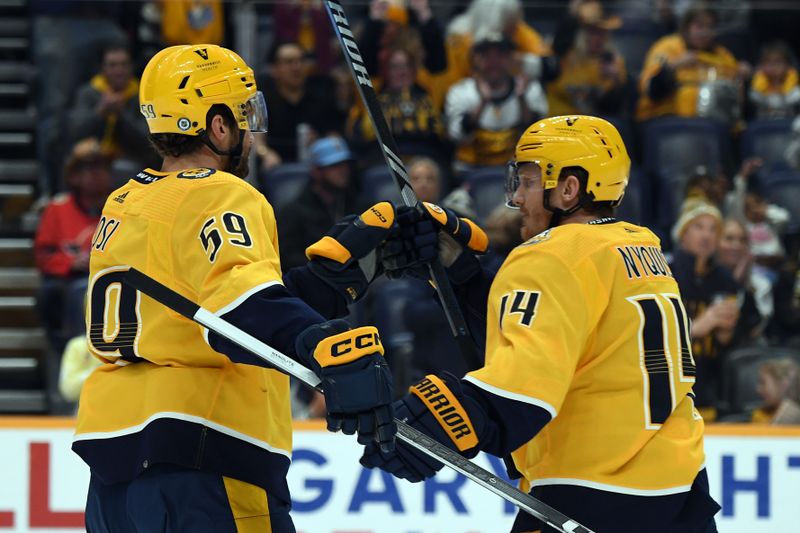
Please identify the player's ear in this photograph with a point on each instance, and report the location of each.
(570, 190)
(217, 129)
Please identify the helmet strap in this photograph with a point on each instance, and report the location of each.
(235, 153)
(558, 213)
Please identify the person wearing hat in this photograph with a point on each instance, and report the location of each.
(592, 76)
(717, 305)
(63, 240)
(326, 198)
(486, 112)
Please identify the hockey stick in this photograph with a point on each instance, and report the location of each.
(171, 299)
(458, 325)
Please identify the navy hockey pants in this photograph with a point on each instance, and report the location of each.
(172, 499)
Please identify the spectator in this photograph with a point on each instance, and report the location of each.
(192, 21)
(493, 17)
(486, 111)
(389, 26)
(765, 223)
(592, 78)
(785, 326)
(779, 388)
(328, 196)
(297, 103)
(733, 252)
(63, 241)
(775, 88)
(66, 33)
(107, 108)
(711, 297)
(426, 179)
(306, 23)
(707, 186)
(677, 65)
(414, 121)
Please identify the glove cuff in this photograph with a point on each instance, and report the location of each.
(446, 408)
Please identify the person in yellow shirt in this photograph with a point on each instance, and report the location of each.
(676, 66)
(183, 430)
(592, 77)
(589, 370)
(775, 87)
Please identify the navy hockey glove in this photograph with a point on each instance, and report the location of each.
(345, 258)
(436, 407)
(356, 380)
(416, 239)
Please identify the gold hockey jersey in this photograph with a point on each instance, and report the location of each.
(164, 395)
(586, 322)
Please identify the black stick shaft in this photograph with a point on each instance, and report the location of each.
(458, 326)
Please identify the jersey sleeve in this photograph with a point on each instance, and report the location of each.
(538, 325)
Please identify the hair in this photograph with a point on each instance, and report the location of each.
(425, 160)
(115, 46)
(599, 209)
(782, 369)
(779, 48)
(408, 42)
(272, 53)
(699, 10)
(179, 144)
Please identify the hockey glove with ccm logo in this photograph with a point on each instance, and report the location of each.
(345, 258)
(436, 407)
(356, 380)
(419, 236)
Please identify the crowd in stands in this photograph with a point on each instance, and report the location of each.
(457, 84)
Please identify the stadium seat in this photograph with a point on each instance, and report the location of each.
(783, 189)
(767, 139)
(283, 183)
(740, 375)
(673, 148)
(378, 184)
(486, 188)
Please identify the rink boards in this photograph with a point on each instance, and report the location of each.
(754, 474)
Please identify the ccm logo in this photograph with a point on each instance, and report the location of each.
(343, 347)
(378, 214)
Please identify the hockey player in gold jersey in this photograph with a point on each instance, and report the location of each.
(587, 382)
(182, 430)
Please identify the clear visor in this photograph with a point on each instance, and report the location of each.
(255, 112)
(511, 183)
(534, 175)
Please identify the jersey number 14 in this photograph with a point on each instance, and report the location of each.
(659, 315)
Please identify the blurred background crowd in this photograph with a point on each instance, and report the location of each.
(706, 96)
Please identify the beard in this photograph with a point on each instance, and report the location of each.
(240, 166)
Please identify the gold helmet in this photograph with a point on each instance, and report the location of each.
(181, 83)
(575, 141)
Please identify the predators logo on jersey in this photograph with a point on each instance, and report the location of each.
(196, 173)
(595, 313)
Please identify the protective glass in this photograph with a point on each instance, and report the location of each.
(255, 111)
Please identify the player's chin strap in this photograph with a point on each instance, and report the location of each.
(558, 213)
(234, 153)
